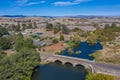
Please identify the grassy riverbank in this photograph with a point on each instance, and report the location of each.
(91, 76)
(110, 53)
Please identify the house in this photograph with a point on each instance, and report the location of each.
(37, 42)
(6, 36)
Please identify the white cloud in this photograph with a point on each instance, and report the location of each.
(67, 3)
(33, 3)
(63, 3)
(43, 1)
(21, 2)
(27, 2)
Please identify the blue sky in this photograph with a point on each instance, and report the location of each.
(60, 7)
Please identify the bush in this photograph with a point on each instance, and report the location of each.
(61, 38)
(57, 53)
(91, 76)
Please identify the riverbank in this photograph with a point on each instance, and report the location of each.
(109, 54)
(91, 76)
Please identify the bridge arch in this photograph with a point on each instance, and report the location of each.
(58, 61)
(68, 63)
(79, 66)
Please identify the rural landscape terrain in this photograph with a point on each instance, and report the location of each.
(23, 39)
(60, 40)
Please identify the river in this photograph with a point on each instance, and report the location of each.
(85, 49)
(57, 71)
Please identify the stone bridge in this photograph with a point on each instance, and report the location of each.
(95, 67)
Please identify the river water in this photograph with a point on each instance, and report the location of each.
(57, 71)
(85, 49)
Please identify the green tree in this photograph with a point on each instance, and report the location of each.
(58, 26)
(76, 29)
(35, 25)
(19, 43)
(3, 31)
(17, 28)
(30, 25)
(19, 66)
(2, 54)
(55, 41)
(28, 43)
(113, 25)
(24, 26)
(107, 26)
(23, 43)
(61, 37)
(4, 43)
(49, 26)
(65, 30)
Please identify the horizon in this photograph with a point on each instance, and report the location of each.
(61, 15)
(60, 7)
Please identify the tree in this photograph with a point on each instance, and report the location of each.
(76, 38)
(107, 26)
(65, 30)
(58, 26)
(4, 43)
(23, 43)
(49, 26)
(3, 31)
(30, 25)
(76, 29)
(17, 28)
(61, 37)
(19, 66)
(113, 25)
(35, 25)
(2, 54)
(19, 43)
(28, 43)
(24, 26)
(55, 41)
(56, 30)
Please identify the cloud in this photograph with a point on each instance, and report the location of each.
(63, 3)
(67, 3)
(21, 2)
(27, 2)
(33, 3)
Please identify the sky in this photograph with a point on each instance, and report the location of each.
(60, 7)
